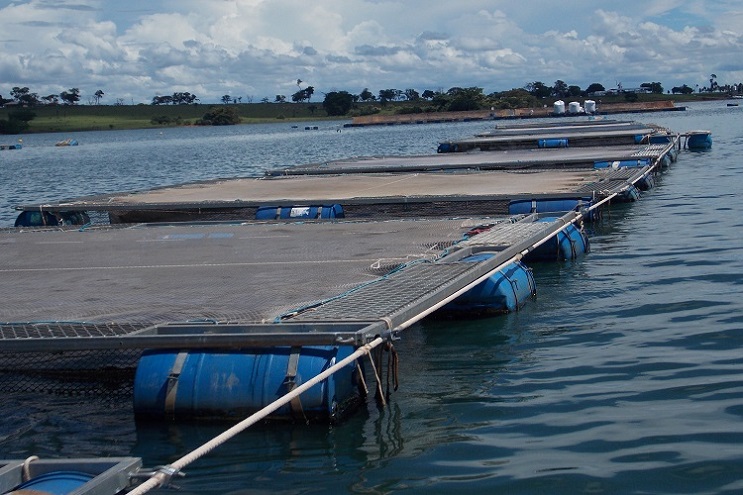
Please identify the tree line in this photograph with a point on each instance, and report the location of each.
(341, 103)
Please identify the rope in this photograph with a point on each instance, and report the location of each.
(164, 474)
(380, 392)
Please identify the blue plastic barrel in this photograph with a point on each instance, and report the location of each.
(525, 206)
(699, 140)
(503, 292)
(299, 212)
(55, 483)
(567, 244)
(235, 384)
(553, 143)
(447, 148)
(642, 162)
(646, 182)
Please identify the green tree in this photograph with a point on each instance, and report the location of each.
(97, 96)
(653, 87)
(560, 89)
(538, 89)
(303, 94)
(162, 100)
(595, 88)
(220, 116)
(684, 90)
(367, 95)
(280, 99)
(465, 99)
(24, 96)
(70, 97)
(183, 98)
(337, 103)
(387, 95)
(16, 122)
(412, 95)
(574, 90)
(226, 99)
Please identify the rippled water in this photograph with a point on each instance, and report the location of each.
(624, 376)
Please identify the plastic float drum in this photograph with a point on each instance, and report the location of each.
(632, 194)
(299, 212)
(447, 148)
(568, 244)
(526, 206)
(48, 219)
(646, 183)
(504, 291)
(53, 483)
(638, 163)
(699, 140)
(553, 143)
(235, 384)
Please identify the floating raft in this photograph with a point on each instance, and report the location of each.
(305, 265)
(382, 187)
(591, 133)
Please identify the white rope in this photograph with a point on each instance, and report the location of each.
(163, 475)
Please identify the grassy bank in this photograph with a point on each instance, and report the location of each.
(61, 118)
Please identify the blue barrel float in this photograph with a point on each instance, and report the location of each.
(447, 148)
(568, 244)
(699, 140)
(54, 483)
(299, 212)
(49, 219)
(553, 143)
(209, 384)
(629, 195)
(504, 291)
(646, 182)
(636, 163)
(526, 206)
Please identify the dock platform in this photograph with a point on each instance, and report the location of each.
(255, 263)
(391, 187)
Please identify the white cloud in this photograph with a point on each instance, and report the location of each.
(138, 49)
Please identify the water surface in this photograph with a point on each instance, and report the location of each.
(624, 376)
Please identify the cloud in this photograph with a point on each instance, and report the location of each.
(145, 47)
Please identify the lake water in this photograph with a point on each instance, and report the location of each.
(624, 376)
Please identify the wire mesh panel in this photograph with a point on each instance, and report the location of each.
(99, 372)
(239, 273)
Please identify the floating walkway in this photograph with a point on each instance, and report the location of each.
(229, 298)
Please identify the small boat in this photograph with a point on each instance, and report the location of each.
(67, 142)
(732, 104)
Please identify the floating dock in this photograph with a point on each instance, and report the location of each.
(232, 297)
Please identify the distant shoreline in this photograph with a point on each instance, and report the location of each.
(75, 118)
(507, 114)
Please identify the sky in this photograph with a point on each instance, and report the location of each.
(133, 50)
